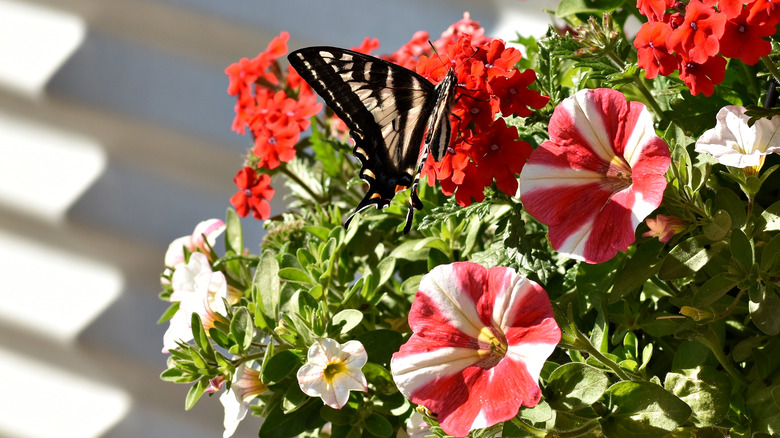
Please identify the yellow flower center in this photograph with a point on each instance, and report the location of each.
(618, 175)
(492, 346)
(333, 369)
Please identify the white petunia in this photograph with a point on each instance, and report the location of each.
(332, 370)
(733, 143)
(246, 386)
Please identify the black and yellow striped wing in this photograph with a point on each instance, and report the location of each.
(395, 116)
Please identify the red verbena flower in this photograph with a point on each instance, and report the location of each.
(600, 174)
(254, 192)
(697, 38)
(744, 40)
(764, 12)
(702, 78)
(654, 10)
(481, 337)
(652, 53)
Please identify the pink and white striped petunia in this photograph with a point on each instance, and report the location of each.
(480, 339)
(598, 177)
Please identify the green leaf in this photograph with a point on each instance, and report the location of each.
(242, 328)
(296, 276)
(378, 425)
(769, 255)
(704, 390)
(267, 288)
(280, 366)
(713, 289)
(772, 217)
(741, 249)
(637, 269)
(385, 268)
(688, 257)
(195, 392)
(294, 398)
(728, 200)
(279, 424)
(574, 386)
(234, 237)
(764, 306)
(345, 321)
(718, 227)
(381, 344)
(642, 410)
(763, 411)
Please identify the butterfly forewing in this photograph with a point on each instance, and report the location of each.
(388, 110)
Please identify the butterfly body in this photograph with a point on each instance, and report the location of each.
(395, 116)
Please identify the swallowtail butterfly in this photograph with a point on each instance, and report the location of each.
(395, 116)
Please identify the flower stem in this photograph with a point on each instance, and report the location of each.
(772, 67)
(303, 185)
(709, 340)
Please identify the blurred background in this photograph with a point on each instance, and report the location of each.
(114, 140)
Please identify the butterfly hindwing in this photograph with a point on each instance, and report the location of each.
(388, 110)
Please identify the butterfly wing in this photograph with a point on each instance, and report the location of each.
(386, 108)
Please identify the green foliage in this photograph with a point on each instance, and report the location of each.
(675, 338)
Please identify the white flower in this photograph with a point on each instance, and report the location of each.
(198, 290)
(736, 144)
(332, 370)
(246, 386)
(211, 229)
(417, 427)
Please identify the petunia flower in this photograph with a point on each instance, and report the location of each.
(736, 144)
(199, 290)
(246, 387)
(600, 174)
(480, 339)
(664, 227)
(204, 236)
(333, 370)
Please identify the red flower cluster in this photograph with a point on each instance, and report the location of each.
(263, 104)
(276, 106)
(695, 38)
(485, 148)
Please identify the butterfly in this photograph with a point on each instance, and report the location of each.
(395, 116)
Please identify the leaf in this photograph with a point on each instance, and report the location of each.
(741, 249)
(242, 328)
(574, 386)
(704, 390)
(267, 288)
(381, 344)
(637, 269)
(345, 321)
(688, 257)
(713, 289)
(764, 306)
(728, 200)
(386, 268)
(294, 398)
(279, 424)
(296, 276)
(718, 227)
(195, 393)
(772, 217)
(378, 425)
(642, 410)
(763, 410)
(280, 366)
(234, 237)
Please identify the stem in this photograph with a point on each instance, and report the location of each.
(522, 425)
(640, 84)
(724, 361)
(303, 185)
(590, 349)
(772, 67)
(732, 305)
